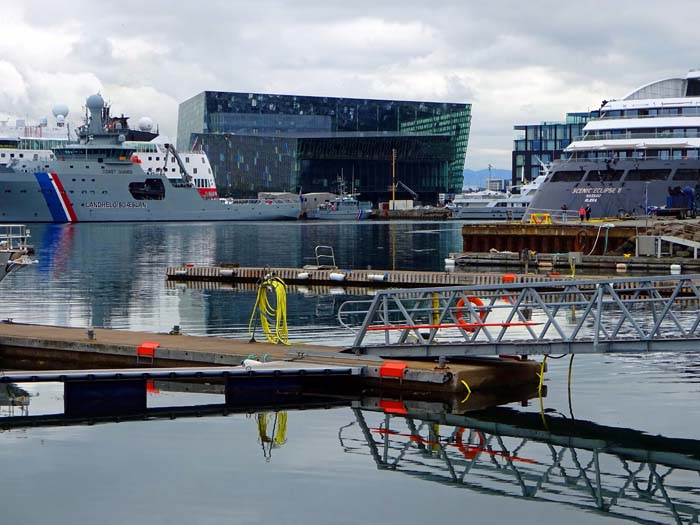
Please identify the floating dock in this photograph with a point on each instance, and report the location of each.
(337, 277)
(560, 261)
(34, 347)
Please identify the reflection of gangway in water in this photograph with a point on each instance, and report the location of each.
(14, 401)
(620, 472)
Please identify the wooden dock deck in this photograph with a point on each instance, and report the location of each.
(33, 347)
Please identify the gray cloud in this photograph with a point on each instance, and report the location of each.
(517, 62)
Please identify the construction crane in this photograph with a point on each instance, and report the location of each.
(409, 190)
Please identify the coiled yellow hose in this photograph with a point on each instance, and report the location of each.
(271, 314)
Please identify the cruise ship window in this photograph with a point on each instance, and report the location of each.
(604, 175)
(648, 175)
(12, 155)
(187, 160)
(2, 155)
(687, 174)
(194, 171)
(203, 161)
(568, 176)
(21, 155)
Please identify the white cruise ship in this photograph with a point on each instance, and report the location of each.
(639, 154)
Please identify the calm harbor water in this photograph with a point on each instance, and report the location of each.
(635, 451)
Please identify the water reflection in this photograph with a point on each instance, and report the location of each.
(113, 275)
(617, 472)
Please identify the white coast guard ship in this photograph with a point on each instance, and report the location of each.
(106, 177)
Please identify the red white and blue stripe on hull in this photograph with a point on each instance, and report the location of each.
(56, 198)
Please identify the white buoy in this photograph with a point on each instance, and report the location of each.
(226, 273)
(621, 267)
(336, 291)
(336, 276)
(377, 276)
(449, 261)
(675, 268)
(303, 276)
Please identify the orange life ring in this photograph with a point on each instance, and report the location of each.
(459, 316)
(470, 451)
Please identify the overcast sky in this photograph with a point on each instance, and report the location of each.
(516, 62)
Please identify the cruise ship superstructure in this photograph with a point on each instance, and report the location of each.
(106, 177)
(639, 149)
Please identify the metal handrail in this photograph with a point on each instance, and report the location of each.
(587, 315)
(14, 237)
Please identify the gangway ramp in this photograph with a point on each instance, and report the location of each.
(643, 314)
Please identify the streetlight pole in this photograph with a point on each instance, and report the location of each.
(646, 206)
(393, 178)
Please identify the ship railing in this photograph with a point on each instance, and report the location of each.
(282, 200)
(637, 158)
(13, 237)
(560, 216)
(689, 112)
(681, 134)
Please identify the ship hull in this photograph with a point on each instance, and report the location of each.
(487, 213)
(341, 215)
(88, 195)
(624, 197)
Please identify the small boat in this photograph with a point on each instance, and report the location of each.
(491, 205)
(345, 207)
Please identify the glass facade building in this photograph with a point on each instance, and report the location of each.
(544, 142)
(260, 142)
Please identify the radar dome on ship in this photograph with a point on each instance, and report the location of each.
(145, 124)
(95, 102)
(60, 110)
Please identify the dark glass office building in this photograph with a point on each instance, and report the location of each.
(545, 141)
(258, 142)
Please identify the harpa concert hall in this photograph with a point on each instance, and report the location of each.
(288, 143)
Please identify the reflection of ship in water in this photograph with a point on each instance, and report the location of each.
(621, 473)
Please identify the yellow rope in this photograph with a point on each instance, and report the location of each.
(469, 391)
(571, 366)
(539, 391)
(267, 312)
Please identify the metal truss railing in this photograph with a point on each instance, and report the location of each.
(568, 316)
(635, 484)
